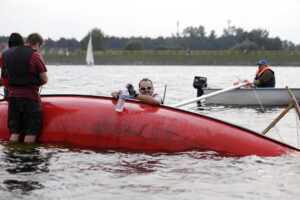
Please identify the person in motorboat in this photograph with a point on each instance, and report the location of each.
(26, 73)
(146, 92)
(15, 39)
(264, 77)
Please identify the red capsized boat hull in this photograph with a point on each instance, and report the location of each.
(93, 122)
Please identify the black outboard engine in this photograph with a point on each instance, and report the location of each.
(199, 83)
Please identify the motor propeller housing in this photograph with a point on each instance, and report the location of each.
(200, 82)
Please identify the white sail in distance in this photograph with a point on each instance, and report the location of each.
(89, 53)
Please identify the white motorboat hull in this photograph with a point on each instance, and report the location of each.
(252, 96)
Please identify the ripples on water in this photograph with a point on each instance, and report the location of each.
(63, 172)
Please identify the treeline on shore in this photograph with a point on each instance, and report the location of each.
(193, 46)
(191, 38)
(177, 57)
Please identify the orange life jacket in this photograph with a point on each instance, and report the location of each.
(260, 71)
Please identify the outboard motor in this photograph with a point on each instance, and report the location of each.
(199, 83)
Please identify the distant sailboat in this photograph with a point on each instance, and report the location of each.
(89, 53)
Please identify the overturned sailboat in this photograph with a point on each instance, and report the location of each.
(91, 121)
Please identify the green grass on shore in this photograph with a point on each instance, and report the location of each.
(275, 58)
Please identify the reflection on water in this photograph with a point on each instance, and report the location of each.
(24, 186)
(26, 162)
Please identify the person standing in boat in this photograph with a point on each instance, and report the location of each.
(26, 73)
(265, 76)
(146, 92)
(15, 39)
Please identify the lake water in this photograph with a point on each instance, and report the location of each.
(65, 172)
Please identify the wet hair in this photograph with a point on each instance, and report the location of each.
(15, 39)
(34, 38)
(145, 79)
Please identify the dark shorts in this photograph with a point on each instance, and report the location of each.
(24, 116)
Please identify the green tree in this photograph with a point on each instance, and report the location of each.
(287, 45)
(212, 38)
(98, 40)
(194, 32)
(50, 44)
(133, 45)
(246, 45)
(4, 38)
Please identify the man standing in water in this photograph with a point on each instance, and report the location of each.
(26, 73)
(15, 39)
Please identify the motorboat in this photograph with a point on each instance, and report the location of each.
(252, 96)
(242, 96)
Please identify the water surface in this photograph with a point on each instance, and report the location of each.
(46, 171)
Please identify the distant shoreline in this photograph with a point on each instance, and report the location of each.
(223, 58)
(296, 64)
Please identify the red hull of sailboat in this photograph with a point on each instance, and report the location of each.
(93, 122)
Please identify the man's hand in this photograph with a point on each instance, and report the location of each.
(249, 84)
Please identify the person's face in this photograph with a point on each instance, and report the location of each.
(40, 46)
(37, 47)
(146, 88)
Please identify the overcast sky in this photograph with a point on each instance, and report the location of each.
(153, 18)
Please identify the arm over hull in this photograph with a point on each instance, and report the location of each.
(92, 121)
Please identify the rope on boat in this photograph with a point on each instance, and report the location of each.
(276, 129)
(262, 107)
(297, 127)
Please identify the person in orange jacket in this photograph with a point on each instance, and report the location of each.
(264, 77)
